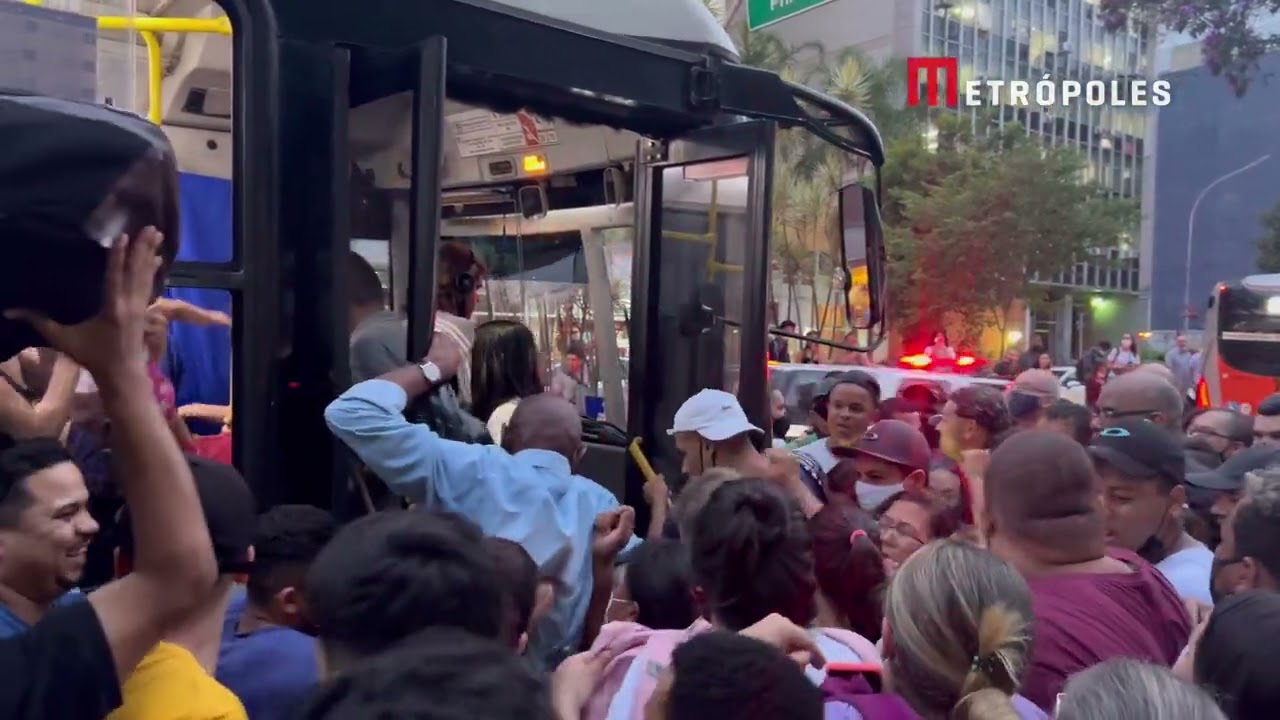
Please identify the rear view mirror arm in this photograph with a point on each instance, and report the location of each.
(797, 336)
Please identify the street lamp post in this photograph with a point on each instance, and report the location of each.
(1191, 227)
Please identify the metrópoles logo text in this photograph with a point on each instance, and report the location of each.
(1045, 92)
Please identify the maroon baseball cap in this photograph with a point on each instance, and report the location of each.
(893, 441)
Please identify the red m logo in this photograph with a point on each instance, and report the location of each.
(931, 66)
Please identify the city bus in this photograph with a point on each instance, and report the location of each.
(1241, 357)
(623, 132)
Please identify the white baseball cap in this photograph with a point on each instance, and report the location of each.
(714, 414)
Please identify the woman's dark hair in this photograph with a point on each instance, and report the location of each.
(1133, 343)
(659, 580)
(943, 521)
(1233, 661)
(504, 366)
(848, 564)
(752, 555)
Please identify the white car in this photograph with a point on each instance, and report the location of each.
(1071, 387)
(797, 381)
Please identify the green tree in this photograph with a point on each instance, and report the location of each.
(1231, 46)
(1269, 241)
(809, 172)
(970, 222)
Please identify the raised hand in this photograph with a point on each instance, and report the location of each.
(110, 342)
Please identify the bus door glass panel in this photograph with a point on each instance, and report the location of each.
(1249, 331)
(703, 236)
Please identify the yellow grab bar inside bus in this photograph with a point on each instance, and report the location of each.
(155, 75)
(147, 27)
(216, 26)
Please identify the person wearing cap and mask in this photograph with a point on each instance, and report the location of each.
(891, 457)
(1029, 395)
(1248, 558)
(1224, 485)
(711, 430)
(1142, 470)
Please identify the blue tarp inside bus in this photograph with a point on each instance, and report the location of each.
(199, 358)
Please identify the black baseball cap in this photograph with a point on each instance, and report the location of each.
(1229, 476)
(1140, 449)
(230, 511)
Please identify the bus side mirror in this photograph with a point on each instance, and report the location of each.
(862, 257)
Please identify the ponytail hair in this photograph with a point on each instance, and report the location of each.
(988, 688)
(961, 625)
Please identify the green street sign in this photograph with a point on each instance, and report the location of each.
(763, 13)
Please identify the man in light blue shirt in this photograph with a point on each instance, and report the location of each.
(1181, 361)
(526, 492)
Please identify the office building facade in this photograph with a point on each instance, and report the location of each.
(1027, 39)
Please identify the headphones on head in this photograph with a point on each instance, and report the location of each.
(461, 284)
(464, 283)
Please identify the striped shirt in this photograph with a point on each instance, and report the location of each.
(378, 346)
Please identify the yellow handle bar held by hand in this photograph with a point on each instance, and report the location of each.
(641, 461)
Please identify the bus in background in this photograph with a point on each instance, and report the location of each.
(1241, 357)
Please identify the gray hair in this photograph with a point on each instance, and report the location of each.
(1263, 487)
(1125, 688)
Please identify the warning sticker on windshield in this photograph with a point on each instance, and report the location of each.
(480, 132)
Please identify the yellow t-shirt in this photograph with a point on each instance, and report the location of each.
(170, 684)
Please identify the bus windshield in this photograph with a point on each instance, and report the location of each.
(1249, 330)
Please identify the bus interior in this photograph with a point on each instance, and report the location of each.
(609, 162)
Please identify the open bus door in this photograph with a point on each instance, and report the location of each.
(302, 67)
(703, 205)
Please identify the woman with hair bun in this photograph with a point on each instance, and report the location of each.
(957, 638)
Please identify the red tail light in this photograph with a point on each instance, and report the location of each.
(965, 361)
(1202, 395)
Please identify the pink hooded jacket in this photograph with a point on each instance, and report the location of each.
(622, 693)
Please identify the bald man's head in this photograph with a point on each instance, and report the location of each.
(1142, 394)
(1043, 500)
(545, 422)
(1160, 369)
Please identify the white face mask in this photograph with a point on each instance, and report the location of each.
(871, 496)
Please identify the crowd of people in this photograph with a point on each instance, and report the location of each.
(979, 555)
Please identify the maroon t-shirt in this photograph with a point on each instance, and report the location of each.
(1084, 619)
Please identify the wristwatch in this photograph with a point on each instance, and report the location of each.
(431, 372)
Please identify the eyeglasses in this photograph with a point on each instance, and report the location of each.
(902, 528)
(1113, 414)
(1200, 431)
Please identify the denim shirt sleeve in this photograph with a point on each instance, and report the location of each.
(412, 460)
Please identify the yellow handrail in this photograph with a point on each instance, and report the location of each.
(155, 76)
(147, 27)
(216, 26)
